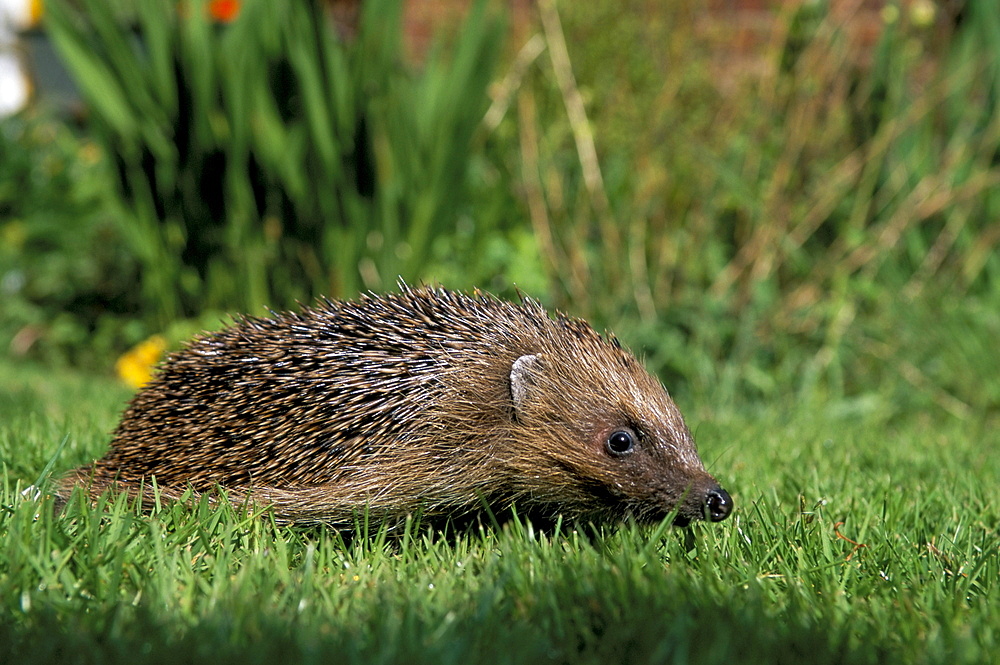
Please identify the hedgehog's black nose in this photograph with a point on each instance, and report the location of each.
(718, 504)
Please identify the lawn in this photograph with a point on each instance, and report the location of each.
(808, 256)
(859, 537)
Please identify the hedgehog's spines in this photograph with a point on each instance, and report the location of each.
(405, 401)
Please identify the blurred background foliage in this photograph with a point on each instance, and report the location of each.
(817, 227)
(263, 161)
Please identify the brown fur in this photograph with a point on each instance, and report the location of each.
(399, 402)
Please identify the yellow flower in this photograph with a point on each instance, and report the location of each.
(922, 13)
(135, 366)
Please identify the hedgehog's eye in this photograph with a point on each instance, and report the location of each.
(620, 442)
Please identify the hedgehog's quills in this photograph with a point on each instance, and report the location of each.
(424, 400)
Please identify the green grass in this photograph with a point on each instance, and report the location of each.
(810, 261)
(778, 582)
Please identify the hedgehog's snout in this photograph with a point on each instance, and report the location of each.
(718, 504)
(713, 504)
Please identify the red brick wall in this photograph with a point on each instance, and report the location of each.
(734, 27)
(751, 23)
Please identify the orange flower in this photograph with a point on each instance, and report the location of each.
(35, 12)
(224, 11)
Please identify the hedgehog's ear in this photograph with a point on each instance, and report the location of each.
(523, 374)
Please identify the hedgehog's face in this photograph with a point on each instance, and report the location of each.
(653, 471)
(615, 443)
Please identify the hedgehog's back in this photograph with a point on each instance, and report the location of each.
(317, 397)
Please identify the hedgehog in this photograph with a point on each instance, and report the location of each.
(422, 401)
